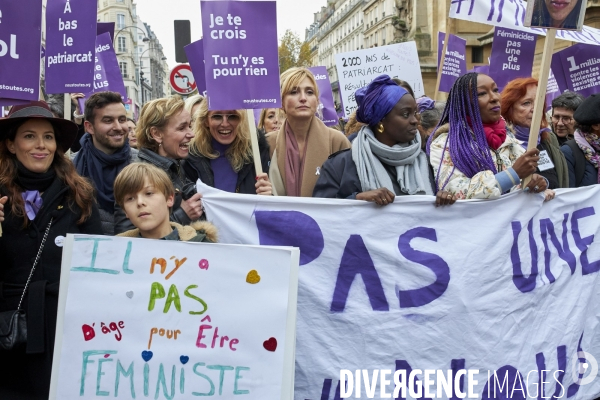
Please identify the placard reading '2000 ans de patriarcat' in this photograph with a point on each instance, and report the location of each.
(141, 318)
(357, 69)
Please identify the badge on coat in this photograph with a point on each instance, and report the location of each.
(59, 240)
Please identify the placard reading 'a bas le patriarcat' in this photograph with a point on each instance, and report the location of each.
(158, 319)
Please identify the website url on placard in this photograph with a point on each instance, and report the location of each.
(260, 101)
(16, 88)
(78, 85)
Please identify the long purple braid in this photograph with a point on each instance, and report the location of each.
(468, 146)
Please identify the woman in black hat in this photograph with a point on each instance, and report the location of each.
(40, 191)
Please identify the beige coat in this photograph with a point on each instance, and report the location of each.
(322, 142)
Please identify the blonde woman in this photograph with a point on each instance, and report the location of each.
(192, 104)
(270, 119)
(164, 134)
(303, 143)
(221, 153)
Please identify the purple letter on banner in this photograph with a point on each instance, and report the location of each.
(195, 54)
(455, 63)
(70, 39)
(581, 67)
(107, 75)
(240, 54)
(328, 114)
(512, 55)
(20, 41)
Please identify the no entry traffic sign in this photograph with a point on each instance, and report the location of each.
(182, 80)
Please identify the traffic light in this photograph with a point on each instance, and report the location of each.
(183, 37)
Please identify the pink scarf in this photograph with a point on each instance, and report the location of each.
(294, 163)
(495, 133)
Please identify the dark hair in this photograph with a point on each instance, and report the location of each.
(430, 118)
(404, 85)
(100, 100)
(569, 100)
(541, 16)
(56, 104)
(584, 128)
(81, 192)
(466, 142)
(131, 120)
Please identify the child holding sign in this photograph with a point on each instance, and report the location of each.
(146, 194)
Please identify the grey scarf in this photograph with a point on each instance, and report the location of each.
(411, 164)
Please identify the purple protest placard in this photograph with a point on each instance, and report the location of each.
(107, 75)
(12, 102)
(512, 55)
(20, 42)
(328, 114)
(195, 55)
(552, 90)
(581, 68)
(70, 39)
(103, 27)
(240, 54)
(481, 69)
(455, 63)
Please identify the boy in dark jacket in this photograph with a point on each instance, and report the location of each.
(146, 194)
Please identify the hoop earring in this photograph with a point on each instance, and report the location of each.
(380, 128)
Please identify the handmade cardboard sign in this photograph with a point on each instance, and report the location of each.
(174, 320)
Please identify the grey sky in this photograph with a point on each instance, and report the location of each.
(296, 15)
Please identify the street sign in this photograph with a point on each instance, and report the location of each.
(182, 80)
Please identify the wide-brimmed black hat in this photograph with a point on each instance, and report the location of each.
(66, 130)
(588, 112)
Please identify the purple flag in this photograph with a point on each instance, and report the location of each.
(107, 75)
(240, 54)
(327, 107)
(20, 42)
(580, 68)
(103, 27)
(455, 63)
(195, 55)
(512, 55)
(70, 38)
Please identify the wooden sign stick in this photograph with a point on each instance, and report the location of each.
(540, 94)
(449, 29)
(254, 141)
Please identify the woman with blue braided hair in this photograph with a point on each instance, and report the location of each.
(386, 159)
(471, 154)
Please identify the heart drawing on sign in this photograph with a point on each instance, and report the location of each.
(253, 277)
(129, 294)
(147, 355)
(184, 359)
(271, 344)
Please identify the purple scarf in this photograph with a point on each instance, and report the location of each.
(33, 203)
(225, 177)
(589, 143)
(522, 134)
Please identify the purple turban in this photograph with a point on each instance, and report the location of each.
(377, 99)
(425, 103)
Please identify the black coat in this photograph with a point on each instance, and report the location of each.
(25, 372)
(174, 169)
(338, 178)
(198, 167)
(590, 173)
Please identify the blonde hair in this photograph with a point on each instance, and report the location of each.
(191, 101)
(133, 178)
(156, 113)
(240, 150)
(292, 77)
(263, 116)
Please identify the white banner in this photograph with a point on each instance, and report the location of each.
(174, 320)
(508, 286)
(510, 14)
(358, 68)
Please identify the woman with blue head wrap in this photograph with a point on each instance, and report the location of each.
(386, 158)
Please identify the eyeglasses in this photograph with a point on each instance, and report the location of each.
(231, 118)
(565, 120)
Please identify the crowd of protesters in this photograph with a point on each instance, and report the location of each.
(94, 172)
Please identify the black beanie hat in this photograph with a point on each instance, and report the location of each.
(588, 113)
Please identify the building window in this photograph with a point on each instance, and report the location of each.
(477, 54)
(122, 44)
(120, 21)
(123, 68)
